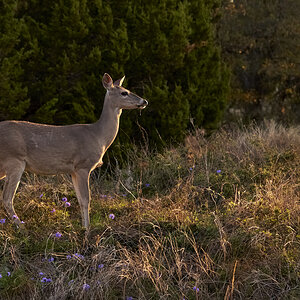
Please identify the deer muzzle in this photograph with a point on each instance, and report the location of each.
(143, 103)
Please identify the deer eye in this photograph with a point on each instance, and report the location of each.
(124, 93)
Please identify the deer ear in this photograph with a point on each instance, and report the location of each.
(107, 81)
(119, 82)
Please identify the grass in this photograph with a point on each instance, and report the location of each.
(214, 218)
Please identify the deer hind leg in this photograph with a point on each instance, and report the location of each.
(81, 184)
(12, 180)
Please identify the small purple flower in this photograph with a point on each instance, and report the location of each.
(67, 204)
(0, 276)
(41, 273)
(103, 196)
(51, 259)
(101, 266)
(2, 221)
(196, 289)
(111, 216)
(219, 171)
(41, 195)
(86, 286)
(129, 298)
(22, 222)
(71, 281)
(64, 199)
(44, 279)
(191, 169)
(8, 273)
(48, 280)
(15, 217)
(53, 210)
(79, 255)
(69, 256)
(58, 234)
(147, 185)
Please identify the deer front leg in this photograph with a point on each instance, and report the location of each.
(12, 180)
(80, 180)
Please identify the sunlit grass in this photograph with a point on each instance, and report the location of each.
(212, 218)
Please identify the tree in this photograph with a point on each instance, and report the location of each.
(14, 100)
(174, 60)
(264, 55)
(166, 49)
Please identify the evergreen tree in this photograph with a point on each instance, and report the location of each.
(173, 53)
(14, 100)
(165, 48)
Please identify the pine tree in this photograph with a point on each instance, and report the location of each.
(165, 48)
(14, 100)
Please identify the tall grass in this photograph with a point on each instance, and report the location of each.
(212, 218)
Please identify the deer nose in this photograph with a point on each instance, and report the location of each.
(143, 103)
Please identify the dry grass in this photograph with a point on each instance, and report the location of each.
(214, 218)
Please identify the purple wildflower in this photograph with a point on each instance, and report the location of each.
(41, 195)
(0, 276)
(41, 273)
(86, 286)
(196, 289)
(100, 266)
(111, 216)
(48, 280)
(64, 199)
(147, 184)
(8, 273)
(44, 279)
(2, 221)
(22, 222)
(53, 210)
(71, 281)
(15, 217)
(67, 204)
(79, 255)
(51, 259)
(69, 256)
(129, 298)
(58, 234)
(219, 171)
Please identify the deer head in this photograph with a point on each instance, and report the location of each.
(119, 96)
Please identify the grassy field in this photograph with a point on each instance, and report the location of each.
(215, 218)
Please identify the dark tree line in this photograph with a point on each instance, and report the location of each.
(53, 54)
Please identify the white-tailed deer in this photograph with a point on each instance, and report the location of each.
(72, 149)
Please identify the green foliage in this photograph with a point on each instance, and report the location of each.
(14, 100)
(53, 55)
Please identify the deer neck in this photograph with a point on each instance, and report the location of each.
(107, 126)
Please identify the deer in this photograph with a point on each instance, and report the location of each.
(68, 149)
